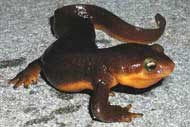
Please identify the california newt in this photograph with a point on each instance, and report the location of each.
(74, 63)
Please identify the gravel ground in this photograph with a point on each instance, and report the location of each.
(25, 34)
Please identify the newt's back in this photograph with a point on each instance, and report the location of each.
(73, 32)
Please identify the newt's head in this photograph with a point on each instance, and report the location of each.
(145, 66)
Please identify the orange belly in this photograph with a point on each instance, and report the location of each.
(81, 85)
(75, 86)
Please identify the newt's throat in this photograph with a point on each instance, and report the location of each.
(136, 81)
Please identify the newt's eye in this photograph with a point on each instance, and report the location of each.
(150, 64)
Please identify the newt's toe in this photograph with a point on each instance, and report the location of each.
(112, 93)
(128, 116)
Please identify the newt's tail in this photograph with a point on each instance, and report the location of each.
(112, 24)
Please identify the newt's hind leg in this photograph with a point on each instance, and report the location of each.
(103, 111)
(28, 76)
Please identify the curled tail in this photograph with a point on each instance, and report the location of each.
(110, 23)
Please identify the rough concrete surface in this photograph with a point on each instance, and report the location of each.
(25, 34)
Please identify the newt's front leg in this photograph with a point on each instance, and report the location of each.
(103, 111)
(28, 76)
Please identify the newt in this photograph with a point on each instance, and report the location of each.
(74, 63)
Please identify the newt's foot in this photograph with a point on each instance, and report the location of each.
(24, 78)
(103, 111)
(28, 76)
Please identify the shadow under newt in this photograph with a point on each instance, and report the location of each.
(12, 62)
